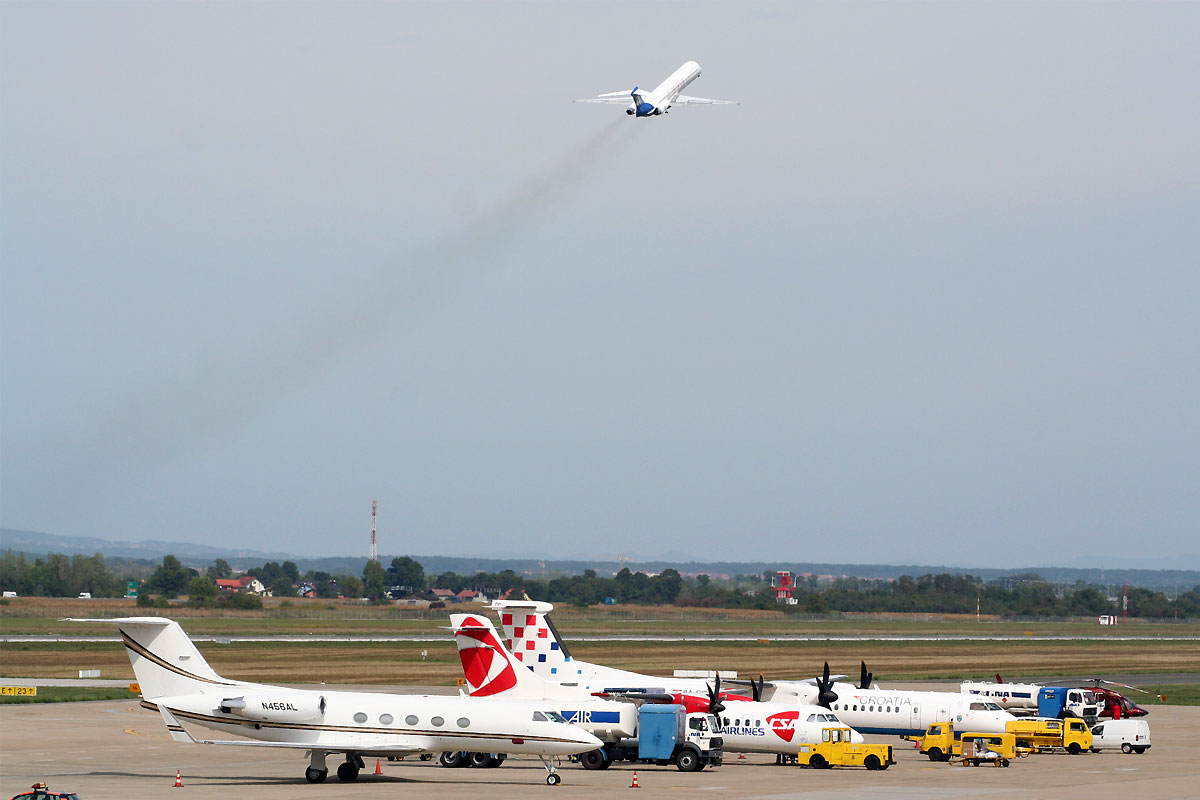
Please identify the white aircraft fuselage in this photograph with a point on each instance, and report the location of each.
(660, 98)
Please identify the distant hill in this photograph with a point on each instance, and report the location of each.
(34, 543)
(195, 555)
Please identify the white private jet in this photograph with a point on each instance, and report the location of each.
(659, 99)
(532, 637)
(746, 726)
(178, 683)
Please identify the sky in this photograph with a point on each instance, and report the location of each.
(927, 295)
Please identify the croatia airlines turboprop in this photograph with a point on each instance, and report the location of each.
(656, 101)
(868, 709)
(178, 683)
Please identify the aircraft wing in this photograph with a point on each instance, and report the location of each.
(180, 734)
(684, 100)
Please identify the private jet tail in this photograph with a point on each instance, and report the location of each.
(164, 659)
(489, 667)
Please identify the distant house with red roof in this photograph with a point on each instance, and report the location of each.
(229, 584)
(442, 594)
(471, 596)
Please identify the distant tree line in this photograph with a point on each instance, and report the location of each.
(1016, 595)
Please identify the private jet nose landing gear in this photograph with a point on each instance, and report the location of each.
(552, 777)
(317, 770)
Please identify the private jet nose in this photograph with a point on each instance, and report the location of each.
(588, 739)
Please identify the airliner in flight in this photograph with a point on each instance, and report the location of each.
(658, 100)
(178, 683)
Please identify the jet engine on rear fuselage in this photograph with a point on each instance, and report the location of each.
(277, 707)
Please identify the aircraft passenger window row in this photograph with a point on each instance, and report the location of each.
(360, 717)
(463, 722)
(411, 719)
(385, 719)
(437, 722)
(884, 709)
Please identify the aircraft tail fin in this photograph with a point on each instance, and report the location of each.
(489, 667)
(532, 637)
(164, 659)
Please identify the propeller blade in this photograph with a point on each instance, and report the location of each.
(715, 706)
(864, 677)
(756, 689)
(825, 694)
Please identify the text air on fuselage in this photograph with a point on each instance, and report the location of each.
(657, 101)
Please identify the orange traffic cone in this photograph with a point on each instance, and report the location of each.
(634, 785)
(178, 780)
(378, 771)
(741, 756)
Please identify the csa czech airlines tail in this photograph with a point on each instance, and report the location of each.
(652, 103)
(179, 684)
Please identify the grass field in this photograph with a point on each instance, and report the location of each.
(68, 694)
(401, 663)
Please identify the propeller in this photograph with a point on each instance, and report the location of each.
(864, 677)
(715, 706)
(756, 688)
(825, 694)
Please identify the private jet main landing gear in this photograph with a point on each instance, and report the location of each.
(348, 770)
(552, 777)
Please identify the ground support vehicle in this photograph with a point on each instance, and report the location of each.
(1063, 702)
(837, 750)
(1130, 735)
(666, 734)
(942, 742)
(973, 749)
(1043, 735)
(39, 791)
(939, 741)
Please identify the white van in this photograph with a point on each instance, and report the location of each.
(1131, 735)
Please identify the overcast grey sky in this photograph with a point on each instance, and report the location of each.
(929, 294)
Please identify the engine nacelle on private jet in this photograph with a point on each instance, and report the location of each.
(299, 707)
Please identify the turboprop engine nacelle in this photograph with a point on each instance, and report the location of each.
(279, 707)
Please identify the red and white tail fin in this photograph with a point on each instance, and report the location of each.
(489, 667)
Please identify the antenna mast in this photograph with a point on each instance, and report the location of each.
(374, 554)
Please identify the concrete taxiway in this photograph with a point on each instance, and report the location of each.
(115, 749)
